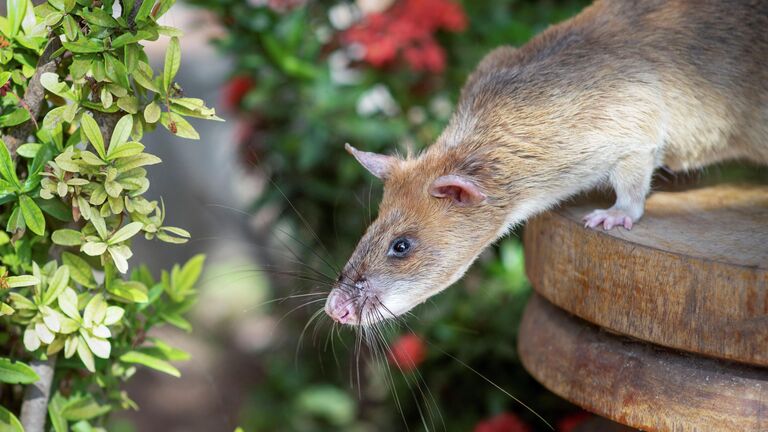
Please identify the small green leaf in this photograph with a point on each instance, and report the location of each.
(129, 104)
(33, 216)
(100, 18)
(56, 285)
(151, 362)
(83, 408)
(15, 372)
(125, 233)
(67, 237)
(22, 281)
(122, 131)
(172, 62)
(55, 407)
(178, 126)
(92, 132)
(152, 112)
(28, 150)
(84, 46)
(14, 117)
(116, 71)
(7, 170)
(9, 422)
(81, 271)
(17, 9)
(127, 149)
(94, 248)
(131, 291)
(70, 28)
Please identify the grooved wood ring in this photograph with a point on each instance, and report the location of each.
(691, 275)
(637, 384)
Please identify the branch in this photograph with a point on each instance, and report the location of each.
(34, 410)
(33, 97)
(132, 16)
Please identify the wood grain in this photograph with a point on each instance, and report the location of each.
(692, 274)
(637, 384)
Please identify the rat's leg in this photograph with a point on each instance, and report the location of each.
(631, 179)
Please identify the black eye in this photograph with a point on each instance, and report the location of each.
(400, 247)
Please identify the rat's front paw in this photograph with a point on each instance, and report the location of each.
(608, 219)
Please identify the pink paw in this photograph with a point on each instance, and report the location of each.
(608, 218)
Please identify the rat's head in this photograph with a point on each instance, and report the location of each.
(429, 230)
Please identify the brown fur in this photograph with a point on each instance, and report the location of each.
(608, 96)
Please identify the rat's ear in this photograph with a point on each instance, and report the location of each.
(377, 164)
(462, 191)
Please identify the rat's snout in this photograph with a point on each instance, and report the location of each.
(341, 306)
(342, 302)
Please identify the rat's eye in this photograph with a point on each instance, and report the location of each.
(400, 247)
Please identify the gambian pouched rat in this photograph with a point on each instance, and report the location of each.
(624, 87)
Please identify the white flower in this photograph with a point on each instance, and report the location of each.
(343, 15)
(377, 99)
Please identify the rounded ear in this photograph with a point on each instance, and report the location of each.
(377, 164)
(458, 189)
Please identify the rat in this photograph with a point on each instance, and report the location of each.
(606, 97)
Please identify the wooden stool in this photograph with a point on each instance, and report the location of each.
(664, 327)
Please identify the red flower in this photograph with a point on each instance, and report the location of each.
(408, 29)
(504, 422)
(407, 352)
(573, 421)
(236, 89)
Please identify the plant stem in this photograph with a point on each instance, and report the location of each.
(33, 97)
(34, 409)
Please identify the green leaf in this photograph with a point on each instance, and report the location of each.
(33, 216)
(116, 71)
(129, 104)
(100, 18)
(56, 285)
(83, 408)
(125, 233)
(70, 28)
(55, 406)
(15, 221)
(122, 131)
(17, 9)
(152, 112)
(7, 170)
(16, 372)
(84, 45)
(22, 281)
(93, 133)
(127, 149)
(131, 291)
(131, 162)
(14, 117)
(28, 150)
(94, 248)
(172, 62)
(144, 10)
(67, 237)
(184, 279)
(176, 320)
(151, 362)
(9, 422)
(177, 125)
(81, 271)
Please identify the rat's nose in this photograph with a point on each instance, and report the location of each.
(341, 307)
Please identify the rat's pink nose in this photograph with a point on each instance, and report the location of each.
(340, 307)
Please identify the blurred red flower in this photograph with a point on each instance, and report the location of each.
(504, 422)
(236, 89)
(570, 423)
(407, 352)
(408, 29)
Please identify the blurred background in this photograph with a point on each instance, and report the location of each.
(277, 205)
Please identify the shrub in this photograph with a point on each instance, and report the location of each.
(77, 94)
